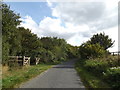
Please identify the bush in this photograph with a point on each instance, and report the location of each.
(100, 65)
(47, 56)
(112, 76)
(96, 66)
(88, 50)
(5, 53)
(107, 69)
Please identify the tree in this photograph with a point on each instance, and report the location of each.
(10, 34)
(72, 51)
(30, 43)
(103, 40)
(87, 50)
(19, 41)
(57, 48)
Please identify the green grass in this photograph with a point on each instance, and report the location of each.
(14, 77)
(89, 79)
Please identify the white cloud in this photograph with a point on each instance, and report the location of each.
(79, 12)
(52, 27)
(49, 3)
(77, 22)
(91, 13)
(28, 22)
(77, 40)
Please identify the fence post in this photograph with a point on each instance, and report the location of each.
(29, 60)
(113, 53)
(17, 59)
(23, 60)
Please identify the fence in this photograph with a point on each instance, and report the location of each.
(37, 60)
(34, 61)
(115, 53)
(22, 60)
(19, 60)
(26, 61)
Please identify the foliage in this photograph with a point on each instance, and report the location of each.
(88, 78)
(106, 68)
(10, 36)
(102, 39)
(87, 50)
(96, 60)
(22, 42)
(5, 50)
(55, 49)
(99, 65)
(96, 66)
(112, 76)
(72, 51)
(47, 56)
(30, 43)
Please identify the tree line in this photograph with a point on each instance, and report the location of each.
(18, 41)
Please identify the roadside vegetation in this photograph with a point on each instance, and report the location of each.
(96, 67)
(19, 41)
(12, 78)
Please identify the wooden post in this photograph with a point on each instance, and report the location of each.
(17, 59)
(118, 53)
(29, 60)
(113, 53)
(23, 60)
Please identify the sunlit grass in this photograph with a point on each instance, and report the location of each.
(13, 78)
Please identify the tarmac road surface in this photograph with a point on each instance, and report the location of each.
(60, 76)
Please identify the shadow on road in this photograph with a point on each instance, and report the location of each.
(68, 64)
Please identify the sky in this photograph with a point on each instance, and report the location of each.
(74, 21)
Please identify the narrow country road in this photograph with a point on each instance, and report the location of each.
(60, 76)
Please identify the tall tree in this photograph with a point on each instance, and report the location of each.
(103, 40)
(10, 34)
(30, 43)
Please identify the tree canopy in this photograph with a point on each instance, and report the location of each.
(21, 42)
(103, 40)
(10, 36)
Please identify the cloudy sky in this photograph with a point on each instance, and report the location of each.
(75, 21)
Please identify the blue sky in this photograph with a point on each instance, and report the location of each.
(75, 22)
(37, 10)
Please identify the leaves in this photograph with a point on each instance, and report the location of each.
(88, 50)
(102, 39)
(21, 42)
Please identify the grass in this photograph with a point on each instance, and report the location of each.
(13, 78)
(89, 79)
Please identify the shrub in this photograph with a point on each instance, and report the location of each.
(5, 53)
(88, 50)
(100, 65)
(112, 76)
(96, 66)
(47, 56)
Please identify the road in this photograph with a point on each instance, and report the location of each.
(60, 76)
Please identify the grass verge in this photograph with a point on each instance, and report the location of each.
(88, 79)
(13, 78)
